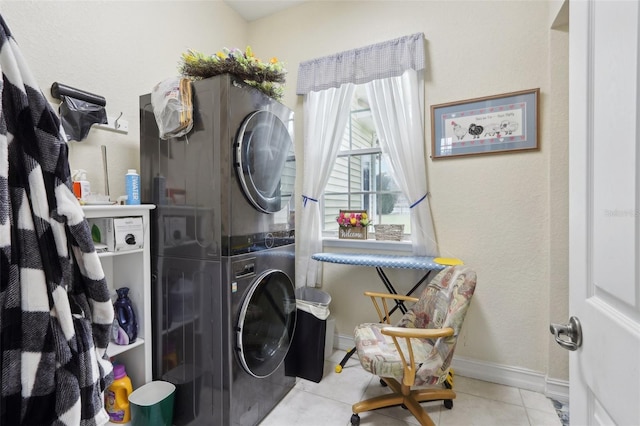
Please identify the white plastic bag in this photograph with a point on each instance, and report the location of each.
(313, 301)
(172, 107)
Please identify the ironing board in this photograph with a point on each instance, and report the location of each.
(380, 261)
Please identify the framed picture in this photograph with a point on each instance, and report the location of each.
(489, 125)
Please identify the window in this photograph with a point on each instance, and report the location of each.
(361, 178)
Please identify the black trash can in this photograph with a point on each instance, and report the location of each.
(305, 358)
(188, 381)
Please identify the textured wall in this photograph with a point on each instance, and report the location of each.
(119, 50)
(506, 215)
(503, 214)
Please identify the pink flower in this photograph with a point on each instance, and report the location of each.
(358, 220)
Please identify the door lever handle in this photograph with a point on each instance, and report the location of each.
(572, 331)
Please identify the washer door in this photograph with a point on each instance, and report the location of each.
(265, 161)
(266, 323)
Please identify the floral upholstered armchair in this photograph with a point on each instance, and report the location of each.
(418, 350)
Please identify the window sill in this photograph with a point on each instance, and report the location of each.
(370, 244)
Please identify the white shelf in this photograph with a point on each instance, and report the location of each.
(115, 210)
(130, 268)
(114, 349)
(119, 253)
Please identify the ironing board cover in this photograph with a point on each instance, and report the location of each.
(380, 260)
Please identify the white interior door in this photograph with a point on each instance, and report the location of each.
(605, 211)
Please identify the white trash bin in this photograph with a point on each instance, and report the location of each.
(313, 301)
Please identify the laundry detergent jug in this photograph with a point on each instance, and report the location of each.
(116, 398)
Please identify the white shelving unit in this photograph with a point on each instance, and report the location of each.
(131, 269)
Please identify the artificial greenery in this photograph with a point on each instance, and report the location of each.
(267, 77)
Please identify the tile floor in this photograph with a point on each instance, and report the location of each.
(329, 403)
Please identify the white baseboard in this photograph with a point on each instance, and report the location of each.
(557, 389)
(341, 341)
(496, 373)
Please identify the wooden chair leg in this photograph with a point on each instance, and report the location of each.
(381, 401)
(403, 395)
(424, 395)
(418, 411)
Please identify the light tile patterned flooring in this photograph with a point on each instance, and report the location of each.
(480, 403)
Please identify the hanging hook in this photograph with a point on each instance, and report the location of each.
(115, 123)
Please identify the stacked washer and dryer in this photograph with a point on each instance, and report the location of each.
(223, 253)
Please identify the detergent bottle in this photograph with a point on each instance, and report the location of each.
(117, 396)
(127, 331)
(81, 186)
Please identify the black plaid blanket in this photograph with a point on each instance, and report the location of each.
(55, 311)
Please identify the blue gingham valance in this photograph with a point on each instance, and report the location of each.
(381, 60)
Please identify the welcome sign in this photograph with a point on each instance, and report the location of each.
(352, 233)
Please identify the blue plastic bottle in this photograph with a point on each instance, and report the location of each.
(132, 183)
(126, 317)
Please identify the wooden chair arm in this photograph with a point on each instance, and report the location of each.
(408, 361)
(384, 316)
(391, 296)
(418, 333)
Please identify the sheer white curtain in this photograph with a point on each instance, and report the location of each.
(396, 107)
(325, 118)
(327, 84)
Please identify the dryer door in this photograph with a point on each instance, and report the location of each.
(266, 323)
(265, 161)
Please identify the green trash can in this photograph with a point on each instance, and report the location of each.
(152, 404)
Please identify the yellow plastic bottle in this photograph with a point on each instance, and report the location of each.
(116, 399)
